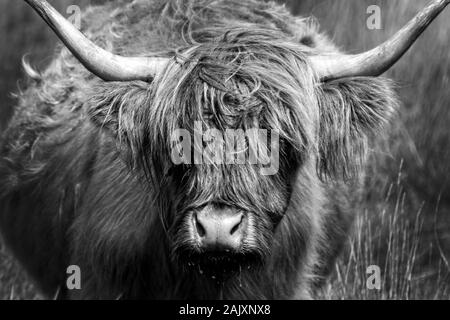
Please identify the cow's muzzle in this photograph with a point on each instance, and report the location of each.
(221, 241)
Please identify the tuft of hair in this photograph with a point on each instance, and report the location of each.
(31, 72)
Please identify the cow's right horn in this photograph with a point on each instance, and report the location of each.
(107, 66)
(380, 59)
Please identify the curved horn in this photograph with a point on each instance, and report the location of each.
(380, 59)
(108, 66)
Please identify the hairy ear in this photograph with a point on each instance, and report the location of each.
(117, 108)
(352, 112)
(114, 106)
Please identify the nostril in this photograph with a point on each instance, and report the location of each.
(200, 229)
(236, 227)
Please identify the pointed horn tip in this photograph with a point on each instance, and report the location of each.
(380, 59)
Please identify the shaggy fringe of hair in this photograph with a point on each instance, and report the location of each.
(240, 80)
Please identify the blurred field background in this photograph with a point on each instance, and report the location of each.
(404, 218)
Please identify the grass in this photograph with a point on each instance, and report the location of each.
(387, 234)
(403, 224)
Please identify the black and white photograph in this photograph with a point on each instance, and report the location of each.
(216, 150)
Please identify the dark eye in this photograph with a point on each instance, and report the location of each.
(179, 173)
(307, 41)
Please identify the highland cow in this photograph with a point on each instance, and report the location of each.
(86, 172)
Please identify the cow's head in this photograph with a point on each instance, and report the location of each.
(290, 106)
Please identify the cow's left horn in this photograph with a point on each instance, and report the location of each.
(380, 59)
(108, 66)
